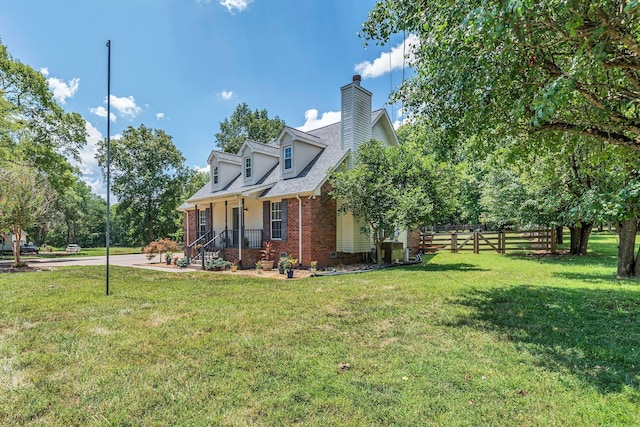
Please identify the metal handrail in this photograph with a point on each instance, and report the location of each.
(190, 246)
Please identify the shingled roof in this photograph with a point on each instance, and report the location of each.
(272, 185)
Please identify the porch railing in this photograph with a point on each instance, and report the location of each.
(252, 238)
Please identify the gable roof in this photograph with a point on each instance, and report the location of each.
(302, 136)
(268, 149)
(223, 157)
(308, 181)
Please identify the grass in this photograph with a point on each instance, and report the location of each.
(57, 252)
(462, 339)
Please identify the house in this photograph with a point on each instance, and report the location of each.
(279, 191)
(6, 245)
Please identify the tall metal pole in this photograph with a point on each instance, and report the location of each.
(108, 153)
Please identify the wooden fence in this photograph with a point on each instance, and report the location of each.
(498, 241)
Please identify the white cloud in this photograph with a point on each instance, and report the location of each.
(313, 122)
(62, 90)
(389, 61)
(125, 105)
(91, 173)
(44, 71)
(89, 168)
(201, 169)
(238, 5)
(102, 112)
(160, 116)
(226, 94)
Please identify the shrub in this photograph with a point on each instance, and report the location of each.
(217, 264)
(182, 262)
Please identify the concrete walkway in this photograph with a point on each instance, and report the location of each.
(134, 260)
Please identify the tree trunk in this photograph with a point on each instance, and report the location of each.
(17, 234)
(559, 236)
(574, 247)
(378, 251)
(580, 238)
(626, 255)
(585, 233)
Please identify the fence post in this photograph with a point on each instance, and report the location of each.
(454, 243)
(476, 243)
(502, 241)
(553, 240)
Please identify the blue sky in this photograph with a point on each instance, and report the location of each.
(184, 65)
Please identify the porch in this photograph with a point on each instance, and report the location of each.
(224, 244)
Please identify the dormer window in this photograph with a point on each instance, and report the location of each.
(288, 159)
(214, 175)
(247, 167)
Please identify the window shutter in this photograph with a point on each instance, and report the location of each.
(266, 220)
(285, 219)
(208, 214)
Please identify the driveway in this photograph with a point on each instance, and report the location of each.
(134, 260)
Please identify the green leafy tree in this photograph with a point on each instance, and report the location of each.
(389, 189)
(493, 68)
(148, 176)
(247, 124)
(79, 217)
(25, 199)
(34, 129)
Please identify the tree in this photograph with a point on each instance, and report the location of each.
(34, 129)
(389, 189)
(148, 176)
(25, 198)
(247, 124)
(78, 217)
(493, 68)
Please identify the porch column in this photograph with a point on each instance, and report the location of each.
(241, 229)
(196, 223)
(226, 224)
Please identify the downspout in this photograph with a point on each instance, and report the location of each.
(299, 228)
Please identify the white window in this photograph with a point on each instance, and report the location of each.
(215, 175)
(203, 221)
(276, 220)
(247, 167)
(288, 160)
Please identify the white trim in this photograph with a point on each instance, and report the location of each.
(284, 158)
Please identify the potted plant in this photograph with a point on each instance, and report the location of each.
(234, 265)
(259, 267)
(168, 256)
(313, 267)
(290, 263)
(281, 265)
(267, 252)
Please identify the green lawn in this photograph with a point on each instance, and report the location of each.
(89, 252)
(462, 339)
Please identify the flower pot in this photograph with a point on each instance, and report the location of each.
(267, 265)
(289, 274)
(281, 269)
(234, 268)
